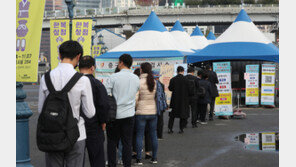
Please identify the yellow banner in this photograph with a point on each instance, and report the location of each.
(81, 32)
(59, 33)
(224, 99)
(29, 17)
(267, 94)
(96, 50)
(267, 84)
(268, 73)
(252, 92)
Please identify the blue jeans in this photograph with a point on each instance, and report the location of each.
(151, 121)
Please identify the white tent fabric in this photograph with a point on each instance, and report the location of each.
(198, 39)
(185, 43)
(151, 40)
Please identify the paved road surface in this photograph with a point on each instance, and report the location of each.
(209, 145)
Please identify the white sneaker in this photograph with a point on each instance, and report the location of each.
(203, 123)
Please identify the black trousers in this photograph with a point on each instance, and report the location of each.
(203, 111)
(120, 129)
(193, 108)
(160, 124)
(182, 123)
(212, 107)
(148, 144)
(95, 147)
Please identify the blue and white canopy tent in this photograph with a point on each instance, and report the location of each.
(185, 43)
(151, 43)
(211, 37)
(241, 41)
(198, 39)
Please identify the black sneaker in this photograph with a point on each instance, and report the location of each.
(154, 160)
(138, 162)
(181, 131)
(170, 131)
(194, 126)
(148, 156)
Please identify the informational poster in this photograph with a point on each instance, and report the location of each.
(29, 17)
(59, 33)
(81, 32)
(252, 141)
(252, 84)
(166, 74)
(223, 103)
(183, 65)
(96, 50)
(106, 67)
(268, 83)
(268, 141)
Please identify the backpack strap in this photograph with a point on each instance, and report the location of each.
(48, 82)
(72, 82)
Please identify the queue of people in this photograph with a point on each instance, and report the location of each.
(75, 110)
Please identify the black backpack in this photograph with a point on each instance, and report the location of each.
(201, 92)
(192, 88)
(57, 129)
(112, 110)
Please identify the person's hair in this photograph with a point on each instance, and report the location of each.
(200, 72)
(205, 75)
(127, 60)
(137, 72)
(86, 62)
(70, 49)
(180, 69)
(208, 67)
(147, 68)
(190, 70)
(116, 69)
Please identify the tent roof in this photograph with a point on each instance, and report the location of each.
(211, 36)
(178, 27)
(197, 32)
(241, 41)
(152, 40)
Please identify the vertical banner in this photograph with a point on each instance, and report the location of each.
(252, 85)
(81, 32)
(166, 74)
(267, 87)
(59, 33)
(223, 104)
(29, 17)
(268, 141)
(252, 141)
(96, 50)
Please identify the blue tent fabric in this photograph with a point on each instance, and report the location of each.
(236, 51)
(144, 54)
(243, 16)
(197, 32)
(152, 24)
(178, 26)
(211, 36)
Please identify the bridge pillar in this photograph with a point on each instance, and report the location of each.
(128, 30)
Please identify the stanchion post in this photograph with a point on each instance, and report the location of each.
(23, 112)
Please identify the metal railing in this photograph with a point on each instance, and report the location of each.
(113, 11)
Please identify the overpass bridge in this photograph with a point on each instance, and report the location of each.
(188, 16)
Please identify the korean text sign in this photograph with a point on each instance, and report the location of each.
(29, 17)
(223, 103)
(59, 33)
(81, 32)
(268, 81)
(252, 85)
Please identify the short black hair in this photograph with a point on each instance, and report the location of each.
(70, 49)
(180, 69)
(208, 67)
(86, 62)
(190, 70)
(200, 72)
(127, 60)
(205, 75)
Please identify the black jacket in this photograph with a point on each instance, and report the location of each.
(213, 79)
(193, 80)
(180, 97)
(100, 103)
(207, 85)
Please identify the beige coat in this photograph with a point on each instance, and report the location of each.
(146, 104)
